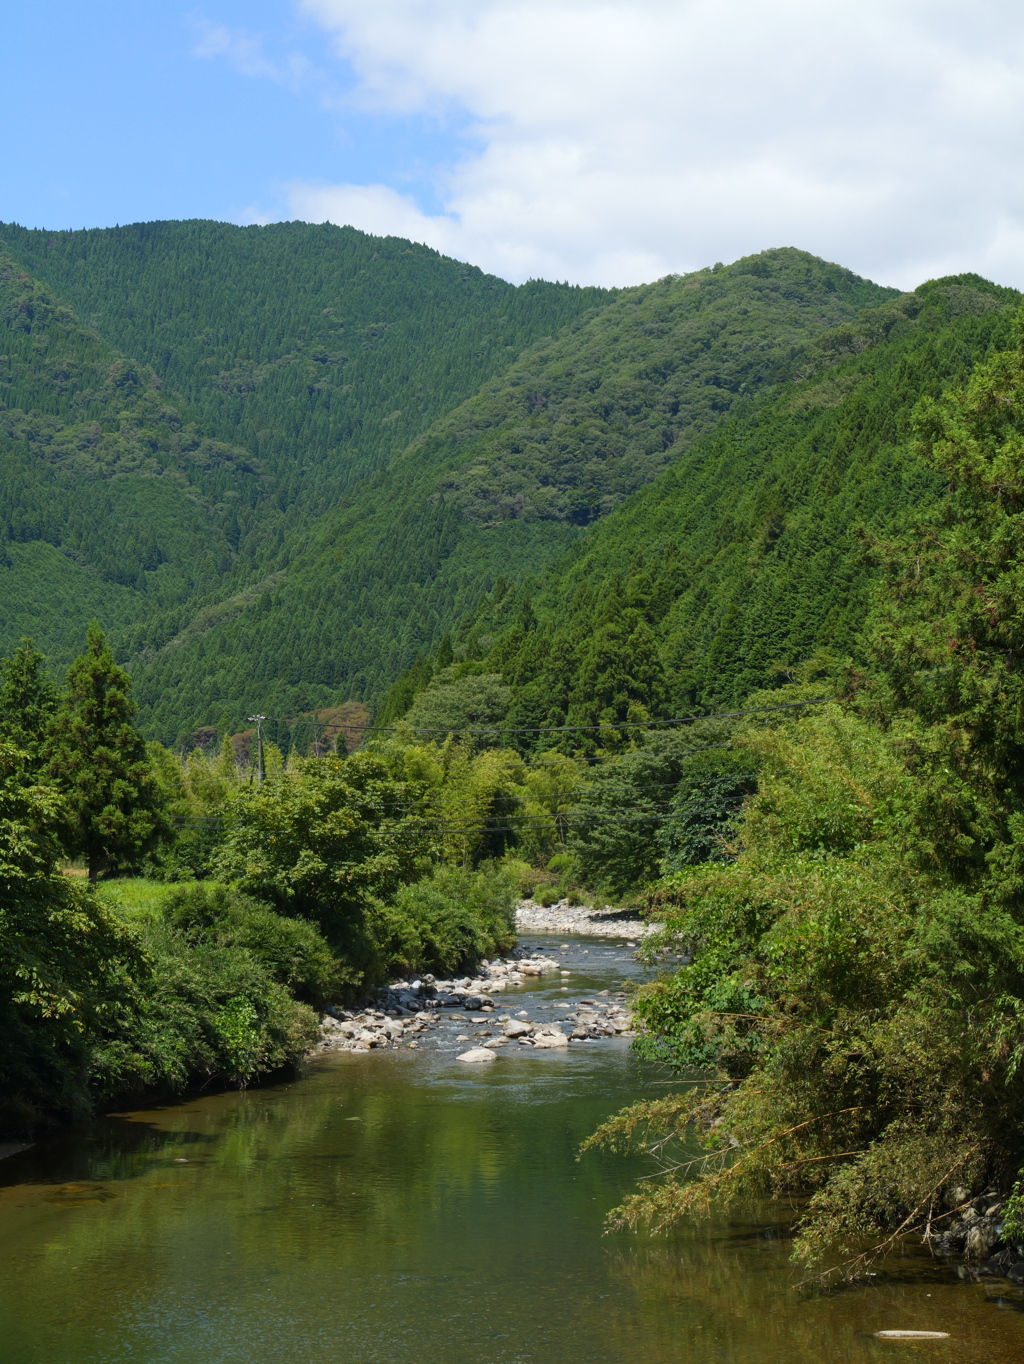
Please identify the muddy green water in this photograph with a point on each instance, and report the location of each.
(403, 1208)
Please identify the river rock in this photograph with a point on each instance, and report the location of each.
(515, 1027)
(912, 1335)
(552, 1037)
(476, 1054)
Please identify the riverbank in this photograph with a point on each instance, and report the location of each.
(406, 1013)
(567, 918)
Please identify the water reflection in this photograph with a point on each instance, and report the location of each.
(401, 1207)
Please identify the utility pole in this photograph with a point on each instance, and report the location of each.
(258, 720)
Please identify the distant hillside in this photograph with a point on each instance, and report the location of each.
(747, 556)
(180, 401)
(279, 463)
(109, 498)
(371, 584)
(578, 424)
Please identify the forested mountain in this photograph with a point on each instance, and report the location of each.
(109, 497)
(181, 400)
(749, 555)
(278, 463)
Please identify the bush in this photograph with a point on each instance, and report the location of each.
(206, 1011)
(547, 895)
(293, 951)
(322, 847)
(448, 921)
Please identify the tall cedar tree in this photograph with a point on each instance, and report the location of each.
(98, 759)
(28, 702)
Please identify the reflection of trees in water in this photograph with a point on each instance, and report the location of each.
(448, 1199)
(339, 1163)
(726, 1292)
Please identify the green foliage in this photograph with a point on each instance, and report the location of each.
(633, 809)
(65, 966)
(112, 802)
(856, 985)
(180, 452)
(257, 464)
(102, 997)
(292, 951)
(448, 921)
(28, 702)
(321, 847)
(452, 704)
(747, 556)
(578, 424)
(704, 808)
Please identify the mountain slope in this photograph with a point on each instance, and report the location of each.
(579, 424)
(320, 349)
(228, 386)
(747, 555)
(107, 494)
(371, 584)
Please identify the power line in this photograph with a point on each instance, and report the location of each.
(610, 724)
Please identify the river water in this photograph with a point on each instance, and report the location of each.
(403, 1208)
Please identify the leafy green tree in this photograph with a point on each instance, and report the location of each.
(617, 827)
(322, 845)
(66, 967)
(453, 704)
(28, 702)
(856, 985)
(704, 809)
(113, 802)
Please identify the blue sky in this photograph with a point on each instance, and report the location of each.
(114, 116)
(602, 141)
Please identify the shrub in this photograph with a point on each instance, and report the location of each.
(293, 951)
(448, 921)
(547, 895)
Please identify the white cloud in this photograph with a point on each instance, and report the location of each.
(373, 208)
(616, 141)
(245, 52)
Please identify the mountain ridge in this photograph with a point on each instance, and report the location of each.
(339, 503)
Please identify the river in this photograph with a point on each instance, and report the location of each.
(403, 1208)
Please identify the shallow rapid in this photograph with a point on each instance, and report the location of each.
(397, 1207)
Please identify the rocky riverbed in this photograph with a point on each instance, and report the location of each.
(408, 1012)
(567, 918)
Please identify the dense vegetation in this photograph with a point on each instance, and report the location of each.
(857, 979)
(243, 450)
(747, 556)
(816, 560)
(265, 901)
(181, 401)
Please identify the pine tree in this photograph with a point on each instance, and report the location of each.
(98, 759)
(28, 702)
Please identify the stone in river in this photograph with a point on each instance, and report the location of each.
(514, 1028)
(550, 1039)
(912, 1335)
(476, 1054)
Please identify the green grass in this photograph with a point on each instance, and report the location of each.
(136, 899)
